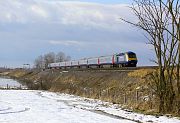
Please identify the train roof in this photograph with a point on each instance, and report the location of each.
(124, 53)
(130, 52)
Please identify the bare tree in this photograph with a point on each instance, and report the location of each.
(68, 58)
(173, 7)
(60, 57)
(159, 20)
(39, 62)
(49, 58)
(43, 61)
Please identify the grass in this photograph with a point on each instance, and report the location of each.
(141, 73)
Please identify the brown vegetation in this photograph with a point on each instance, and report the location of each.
(131, 89)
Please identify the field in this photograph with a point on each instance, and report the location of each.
(129, 88)
(27, 106)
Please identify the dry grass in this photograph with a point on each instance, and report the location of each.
(17, 73)
(140, 73)
(108, 86)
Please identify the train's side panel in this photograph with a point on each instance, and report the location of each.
(75, 63)
(58, 64)
(68, 64)
(54, 65)
(62, 64)
(83, 62)
(93, 61)
(106, 60)
(122, 58)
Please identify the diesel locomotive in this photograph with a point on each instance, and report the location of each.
(127, 59)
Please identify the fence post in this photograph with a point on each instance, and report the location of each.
(151, 97)
(125, 98)
(137, 95)
(41, 85)
(7, 86)
(108, 95)
(100, 93)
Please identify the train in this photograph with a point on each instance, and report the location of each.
(126, 59)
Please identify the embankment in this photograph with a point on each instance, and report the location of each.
(129, 88)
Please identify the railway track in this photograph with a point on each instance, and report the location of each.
(109, 69)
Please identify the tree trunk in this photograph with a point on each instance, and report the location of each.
(178, 71)
(161, 105)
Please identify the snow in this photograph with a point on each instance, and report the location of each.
(10, 82)
(27, 106)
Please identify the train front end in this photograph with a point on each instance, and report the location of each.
(131, 59)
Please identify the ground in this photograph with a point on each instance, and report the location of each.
(28, 106)
(46, 107)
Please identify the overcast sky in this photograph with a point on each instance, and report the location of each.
(84, 28)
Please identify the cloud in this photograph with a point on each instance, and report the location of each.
(89, 15)
(39, 11)
(66, 43)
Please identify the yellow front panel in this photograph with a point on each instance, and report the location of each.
(130, 59)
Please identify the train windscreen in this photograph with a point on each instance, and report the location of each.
(132, 55)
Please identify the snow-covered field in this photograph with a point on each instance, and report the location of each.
(10, 82)
(26, 106)
(44, 107)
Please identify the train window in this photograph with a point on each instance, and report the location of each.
(132, 55)
(120, 58)
(121, 54)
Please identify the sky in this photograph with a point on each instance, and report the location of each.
(79, 28)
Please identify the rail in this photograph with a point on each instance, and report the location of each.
(110, 69)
